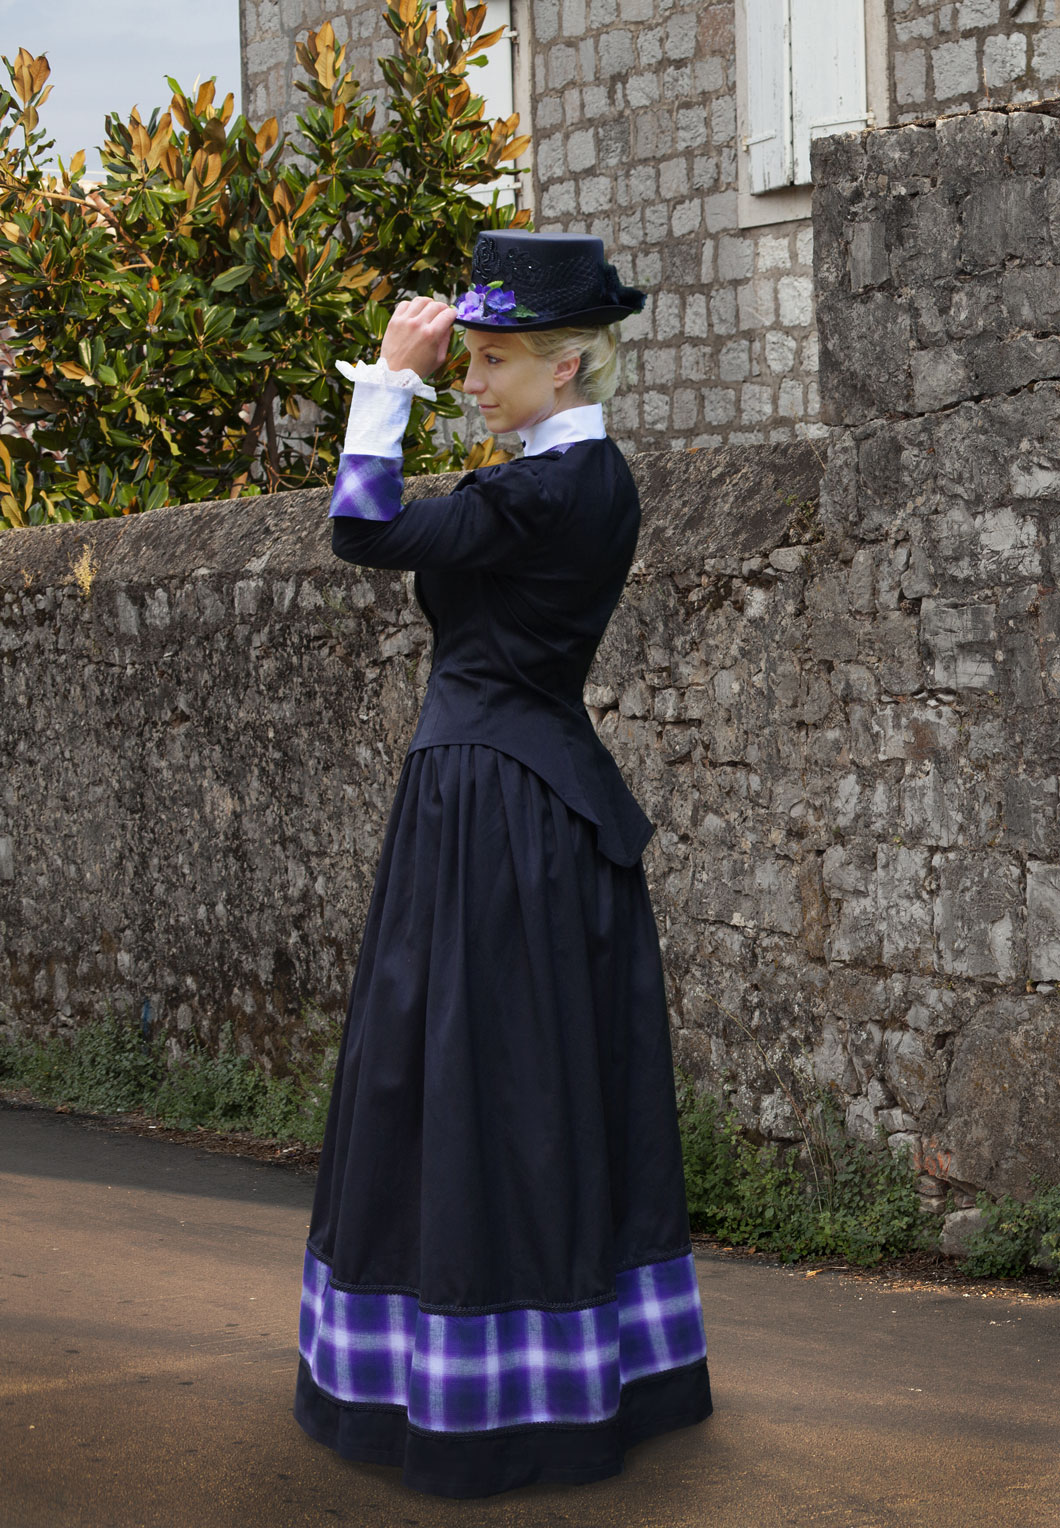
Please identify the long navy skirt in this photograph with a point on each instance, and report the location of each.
(499, 1285)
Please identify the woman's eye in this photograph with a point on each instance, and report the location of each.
(493, 360)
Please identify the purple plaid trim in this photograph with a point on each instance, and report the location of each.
(660, 1319)
(368, 487)
(506, 1368)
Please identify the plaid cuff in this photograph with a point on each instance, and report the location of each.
(456, 1373)
(368, 487)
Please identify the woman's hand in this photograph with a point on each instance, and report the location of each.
(418, 335)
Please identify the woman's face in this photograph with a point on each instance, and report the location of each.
(513, 387)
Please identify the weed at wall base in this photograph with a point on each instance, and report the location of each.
(857, 1201)
(106, 1067)
(1016, 1235)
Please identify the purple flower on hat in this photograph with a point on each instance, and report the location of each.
(500, 301)
(470, 305)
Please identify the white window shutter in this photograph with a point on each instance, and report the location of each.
(827, 73)
(769, 142)
(493, 81)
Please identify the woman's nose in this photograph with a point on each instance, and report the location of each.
(473, 383)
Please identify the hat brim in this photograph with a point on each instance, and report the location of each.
(500, 323)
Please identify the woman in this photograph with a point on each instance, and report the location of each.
(499, 1285)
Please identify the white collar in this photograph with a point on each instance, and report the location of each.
(563, 429)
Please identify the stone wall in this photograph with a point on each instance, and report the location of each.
(972, 53)
(839, 707)
(205, 713)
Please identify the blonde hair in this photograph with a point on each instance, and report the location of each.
(597, 351)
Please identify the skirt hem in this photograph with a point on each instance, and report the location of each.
(475, 1464)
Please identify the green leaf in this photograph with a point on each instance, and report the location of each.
(230, 279)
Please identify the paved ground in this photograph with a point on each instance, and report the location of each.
(148, 1304)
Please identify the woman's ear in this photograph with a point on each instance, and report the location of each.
(566, 368)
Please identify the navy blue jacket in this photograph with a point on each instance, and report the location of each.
(518, 571)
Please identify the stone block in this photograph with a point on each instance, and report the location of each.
(1043, 921)
(673, 179)
(978, 915)
(692, 133)
(734, 361)
(902, 875)
(960, 641)
(546, 20)
(573, 18)
(615, 53)
(686, 218)
(562, 66)
(1002, 1105)
(1005, 217)
(978, 13)
(911, 1069)
(864, 356)
(795, 300)
(954, 69)
(1030, 823)
(779, 350)
(1004, 59)
(930, 807)
(580, 149)
(939, 378)
(958, 1228)
(735, 257)
(867, 257)
(756, 303)
(1033, 143)
(916, 731)
(910, 75)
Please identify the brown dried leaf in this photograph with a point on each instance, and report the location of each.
(485, 41)
(266, 135)
(312, 191)
(459, 99)
(516, 147)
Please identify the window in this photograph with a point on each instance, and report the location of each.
(804, 68)
(493, 80)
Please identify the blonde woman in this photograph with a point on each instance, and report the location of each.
(499, 1285)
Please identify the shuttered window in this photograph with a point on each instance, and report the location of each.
(493, 81)
(805, 62)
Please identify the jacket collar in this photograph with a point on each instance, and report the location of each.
(564, 429)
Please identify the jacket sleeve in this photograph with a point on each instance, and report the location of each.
(499, 518)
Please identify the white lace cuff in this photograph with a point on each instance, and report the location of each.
(379, 412)
(380, 373)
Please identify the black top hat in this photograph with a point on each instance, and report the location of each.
(543, 281)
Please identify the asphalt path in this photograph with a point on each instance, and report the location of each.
(148, 1318)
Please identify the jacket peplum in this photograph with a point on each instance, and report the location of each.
(518, 571)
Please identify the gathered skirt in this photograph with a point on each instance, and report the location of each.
(499, 1285)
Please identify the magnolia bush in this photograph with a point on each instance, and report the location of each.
(171, 333)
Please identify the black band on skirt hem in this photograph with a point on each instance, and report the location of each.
(473, 1464)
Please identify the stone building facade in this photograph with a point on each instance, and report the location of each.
(638, 114)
